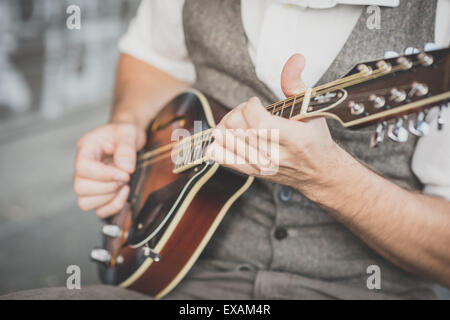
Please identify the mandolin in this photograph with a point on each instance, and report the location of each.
(178, 198)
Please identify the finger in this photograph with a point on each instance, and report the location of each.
(279, 130)
(291, 76)
(237, 141)
(95, 170)
(217, 153)
(96, 144)
(233, 119)
(87, 187)
(90, 203)
(115, 205)
(258, 117)
(264, 141)
(125, 152)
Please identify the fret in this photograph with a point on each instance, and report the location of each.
(197, 148)
(292, 107)
(295, 108)
(187, 153)
(271, 108)
(207, 142)
(280, 112)
(286, 110)
(179, 158)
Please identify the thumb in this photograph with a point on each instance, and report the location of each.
(128, 140)
(291, 76)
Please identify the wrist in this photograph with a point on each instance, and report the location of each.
(340, 171)
(127, 118)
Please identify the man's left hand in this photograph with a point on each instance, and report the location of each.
(301, 155)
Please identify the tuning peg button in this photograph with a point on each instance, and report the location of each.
(397, 133)
(100, 255)
(419, 128)
(111, 230)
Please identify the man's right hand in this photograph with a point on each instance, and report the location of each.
(105, 159)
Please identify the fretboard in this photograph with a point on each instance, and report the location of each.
(374, 92)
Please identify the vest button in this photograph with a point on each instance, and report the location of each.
(280, 233)
(285, 194)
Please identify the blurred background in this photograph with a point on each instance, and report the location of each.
(55, 84)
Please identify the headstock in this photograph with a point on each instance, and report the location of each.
(386, 92)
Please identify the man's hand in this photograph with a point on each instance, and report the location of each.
(408, 228)
(302, 155)
(105, 159)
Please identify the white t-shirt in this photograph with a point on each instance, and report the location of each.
(273, 27)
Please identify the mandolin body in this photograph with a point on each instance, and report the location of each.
(170, 217)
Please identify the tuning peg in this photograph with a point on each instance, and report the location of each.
(397, 132)
(383, 66)
(100, 255)
(111, 230)
(441, 119)
(425, 59)
(378, 136)
(418, 89)
(356, 108)
(420, 128)
(398, 95)
(405, 63)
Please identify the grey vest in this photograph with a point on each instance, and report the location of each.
(272, 227)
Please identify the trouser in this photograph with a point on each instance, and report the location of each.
(204, 282)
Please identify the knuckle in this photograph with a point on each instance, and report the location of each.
(299, 147)
(111, 187)
(230, 120)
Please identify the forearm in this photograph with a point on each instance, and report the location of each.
(409, 229)
(141, 91)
